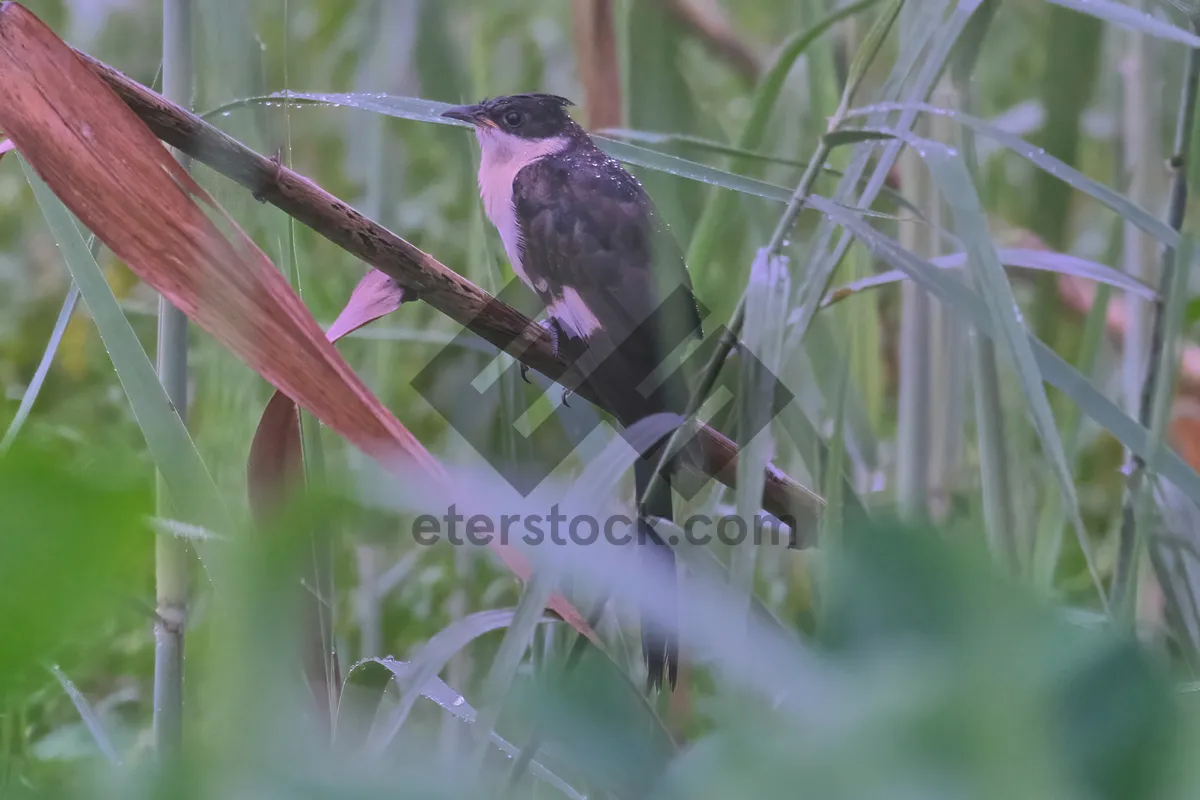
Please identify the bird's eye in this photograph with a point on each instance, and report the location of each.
(513, 118)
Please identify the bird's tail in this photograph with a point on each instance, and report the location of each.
(660, 632)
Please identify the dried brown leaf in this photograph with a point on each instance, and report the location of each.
(146, 208)
(375, 296)
(276, 461)
(114, 175)
(275, 467)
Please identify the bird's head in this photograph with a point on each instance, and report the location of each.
(531, 117)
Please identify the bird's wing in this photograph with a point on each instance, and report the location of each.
(599, 254)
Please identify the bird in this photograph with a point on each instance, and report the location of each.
(583, 234)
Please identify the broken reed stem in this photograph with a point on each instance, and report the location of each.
(599, 63)
(418, 272)
(1124, 585)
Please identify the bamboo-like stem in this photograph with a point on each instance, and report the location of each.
(170, 552)
(998, 511)
(914, 435)
(424, 276)
(395, 24)
(931, 357)
(948, 371)
(1142, 156)
(1124, 587)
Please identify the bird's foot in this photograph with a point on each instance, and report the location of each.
(550, 327)
(566, 393)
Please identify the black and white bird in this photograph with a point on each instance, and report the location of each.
(582, 233)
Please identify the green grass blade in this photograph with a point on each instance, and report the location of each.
(865, 55)
(516, 642)
(775, 246)
(657, 94)
(430, 111)
(1160, 391)
(1036, 155)
(1041, 260)
(766, 96)
(1067, 78)
(1162, 360)
(708, 145)
(826, 353)
(1048, 546)
(995, 463)
(771, 85)
(1175, 554)
(399, 106)
(90, 720)
(1053, 368)
(432, 658)
(455, 704)
(598, 480)
(927, 53)
(766, 311)
(856, 135)
(993, 453)
(700, 561)
(192, 489)
(367, 680)
(39, 375)
(970, 46)
(834, 517)
(1129, 18)
(699, 143)
(692, 170)
(817, 455)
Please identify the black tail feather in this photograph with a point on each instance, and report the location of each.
(660, 643)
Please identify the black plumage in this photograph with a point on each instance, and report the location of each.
(602, 260)
(586, 224)
(588, 227)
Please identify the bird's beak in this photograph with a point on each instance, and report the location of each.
(465, 113)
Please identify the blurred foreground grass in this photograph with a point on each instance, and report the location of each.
(929, 676)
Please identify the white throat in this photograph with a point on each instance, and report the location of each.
(504, 155)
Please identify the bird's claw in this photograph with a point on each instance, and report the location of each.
(551, 328)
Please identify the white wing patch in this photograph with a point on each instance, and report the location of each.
(504, 155)
(573, 314)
